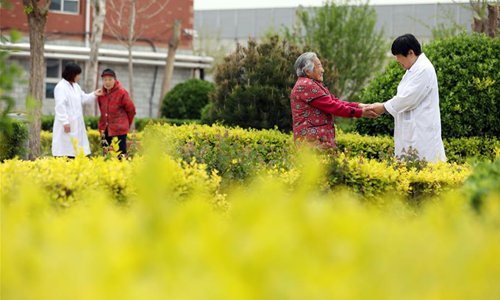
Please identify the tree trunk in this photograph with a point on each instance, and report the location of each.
(493, 19)
(91, 67)
(130, 44)
(37, 19)
(169, 66)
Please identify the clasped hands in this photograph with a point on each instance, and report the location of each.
(373, 110)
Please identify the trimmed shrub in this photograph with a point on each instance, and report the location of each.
(274, 144)
(234, 152)
(186, 99)
(92, 122)
(467, 68)
(67, 182)
(48, 122)
(13, 141)
(253, 86)
(483, 184)
(141, 123)
(237, 154)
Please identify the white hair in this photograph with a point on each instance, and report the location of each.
(305, 62)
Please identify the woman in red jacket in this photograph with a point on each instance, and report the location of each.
(117, 111)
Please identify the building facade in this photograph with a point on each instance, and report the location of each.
(228, 26)
(67, 37)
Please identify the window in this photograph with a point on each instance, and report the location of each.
(69, 6)
(54, 75)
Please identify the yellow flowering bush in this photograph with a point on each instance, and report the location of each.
(272, 242)
(67, 182)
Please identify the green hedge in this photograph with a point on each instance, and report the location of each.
(237, 154)
(273, 144)
(360, 164)
(467, 68)
(484, 182)
(13, 140)
(234, 152)
(140, 123)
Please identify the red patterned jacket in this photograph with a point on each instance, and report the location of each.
(313, 108)
(117, 111)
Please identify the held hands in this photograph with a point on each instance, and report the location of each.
(378, 108)
(99, 92)
(368, 111)
(372, 110)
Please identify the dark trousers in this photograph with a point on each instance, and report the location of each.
(122, 141)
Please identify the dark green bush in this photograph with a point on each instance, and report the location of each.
(484, 181)
(253, 86)
(468, 72)
(48, 122)
(13, 141)
(186, 99)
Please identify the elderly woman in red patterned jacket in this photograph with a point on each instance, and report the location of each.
(117, 111)
(314, 107)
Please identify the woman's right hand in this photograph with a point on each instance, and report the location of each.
(67, 128)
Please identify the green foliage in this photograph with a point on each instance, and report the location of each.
(13, 141)
(253, 86)
(141, 123)
(234, 152)
(468, 72)
(343, 33)
(48, 122)
(9, 74)
(93, 122)
(483, 184)
(186, 99)
(238, 154)
(274, 146)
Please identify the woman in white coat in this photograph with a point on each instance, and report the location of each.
(69, 125)
(415, 108)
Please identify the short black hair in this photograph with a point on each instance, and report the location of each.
(403, 44)
(108, 72)
(70, 71)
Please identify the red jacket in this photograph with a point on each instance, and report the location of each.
(313, 108)
(117, 111)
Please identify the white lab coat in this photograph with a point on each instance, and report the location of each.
(68, 110)
(415, 108)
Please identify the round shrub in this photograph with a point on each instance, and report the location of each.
(468, 72)
(186, 99)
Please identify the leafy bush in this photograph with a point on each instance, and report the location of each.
(66, 183)
(253, 86)
(234, 152)
(90, 122)
(13, 141)
(467, 70)
(274, 145)
(483, 184)
(141, 123)
(186, 99)
(342, 32)
(133, 143)
(170, 234)
(238, 154)
(10, 72)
